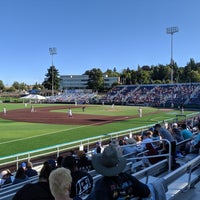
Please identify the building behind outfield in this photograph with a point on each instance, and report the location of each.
(81, 81)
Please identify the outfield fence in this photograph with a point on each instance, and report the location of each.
(88, 144)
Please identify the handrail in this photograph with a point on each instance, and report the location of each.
(153, 156)
(187, 167)
(188, 172)
(150, 170)
(16, 158)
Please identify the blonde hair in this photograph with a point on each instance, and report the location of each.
(60, 182)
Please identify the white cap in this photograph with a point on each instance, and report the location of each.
(125, 138)
(3, 173)
(175, 125)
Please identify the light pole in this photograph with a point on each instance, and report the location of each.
(171, 31)
(52, 52)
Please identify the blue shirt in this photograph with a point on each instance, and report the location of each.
(165, 134)
(186, 134)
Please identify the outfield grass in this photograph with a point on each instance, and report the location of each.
(19, 137)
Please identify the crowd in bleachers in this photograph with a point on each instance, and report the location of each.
(164, 95)
(79, 97)
(109, 160)
(154, 95)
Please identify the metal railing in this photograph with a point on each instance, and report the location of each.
(57, 149)
(142, 154)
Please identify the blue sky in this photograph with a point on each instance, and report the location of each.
(93, 33)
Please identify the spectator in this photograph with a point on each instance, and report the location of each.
(115, 184)
(194, 144)
(23, 165)
(146, 138)
(98, 147)
(130, 151)
(121, 142)
(176, 133)
(156, 137)
(195, 121)
(39, 190)
(60, 184)
(52, 163)
(6, 177)
(125, 139)
(82, 182)
(29, 170)
(20, 176)
(130, 148)
(149, 145)
(185, 132)
(83, 163)
(165, 134)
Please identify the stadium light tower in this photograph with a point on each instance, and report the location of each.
(171, 31)
(52, 52)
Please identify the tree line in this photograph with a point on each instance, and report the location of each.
(160, 74)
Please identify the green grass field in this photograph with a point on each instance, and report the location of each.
(19, 137)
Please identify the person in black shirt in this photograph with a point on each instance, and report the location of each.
(29, 170)
(83, 163)
(115, 184)
(82, 182)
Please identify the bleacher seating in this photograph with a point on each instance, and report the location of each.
(188, 174)
(80, 97)
(164, 95)
(154, 95)
(7, 193)
(183, 178)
